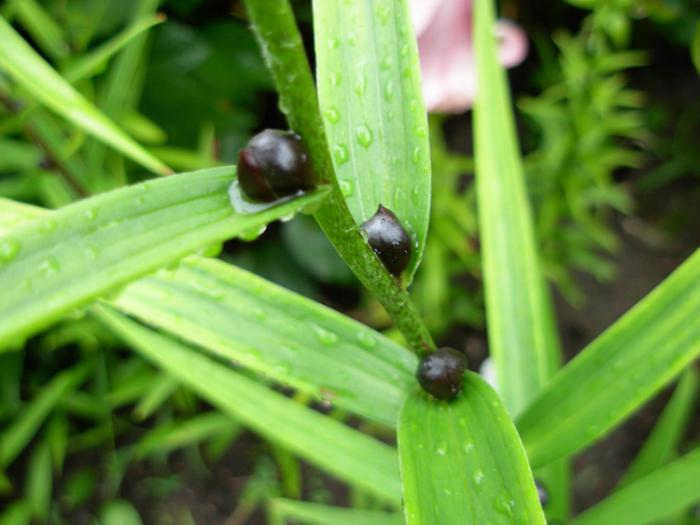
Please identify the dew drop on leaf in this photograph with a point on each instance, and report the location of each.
(332, 115)
(347, 188)
(366, 339)
(49, 266)
(47, 226)
(9, 248)
(252, 233)
(389, 91)
(340, 153)
(364, 136)
(323, 335)
(90, 214)
(335, 79)
(478, 477)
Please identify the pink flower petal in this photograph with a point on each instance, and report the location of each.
(513, 45)
(422, 12)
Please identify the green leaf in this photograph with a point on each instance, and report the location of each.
(71, 256)
(523, 337)
(35, 75)
(171, 436)
(462, 462)
(316, 514)
(296, 341)
(320, 440)
(522, 334)
(662, 444)
(120, 512)
(41, 27)
(372, 106)
(159, 392)
(652, 498)
(17, 436)
(94, 62)
(39, 482)
(619, 371)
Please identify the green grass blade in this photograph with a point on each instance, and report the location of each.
(39, 482)
(42, 28)
(171, 436)
(463, 462)
(662, 444)
(618, 371)
(36, 76)
(317, 514)
(372, 106)
(652, 498)
(320, 440)
(158, 393)
(521, 331)
(71, 256)
(94, 62)
(291, 339)
(17, 436)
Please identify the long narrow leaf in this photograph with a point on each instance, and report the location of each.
(662, 445)
(370, 97)
(618, 371)
(320, 440)
(652, 498)
(462, 462)
(71, 256)
(316, 514)
(35, 75)
(285, 336)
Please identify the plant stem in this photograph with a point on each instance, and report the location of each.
(275, 27)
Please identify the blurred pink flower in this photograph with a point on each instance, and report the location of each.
(444, 31)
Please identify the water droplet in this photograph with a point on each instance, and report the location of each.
(333, 43)
(347, 188)
(389, 91)
(287, 218)
(416, 155)
(364, 135)
(332, 115)
(9, 248)
(383, 13)
(441, 451)
(335, 79)
(259, 313)
(340, 153)
(90, 214)
(420, 131)
(412, 104)
(360, 85)
(366, 339)
(385, 63)
(283, 106)
(323, 335)
(404, 50)
(502, 504)
(92, 252)
(468, 446)
(49, 267)
(252, 233)
(478, 477)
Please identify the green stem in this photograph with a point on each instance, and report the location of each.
(275, 27)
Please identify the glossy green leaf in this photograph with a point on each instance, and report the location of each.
(41, 27)
(372, 106)
(296, 341)
(316, 514)
(36, 76)
(619, 371)
(652, 498)
(462, 462)
(120, 512)
(522, 334)
(662, 444)
(320, 440)
(69, 257)
(17, 436)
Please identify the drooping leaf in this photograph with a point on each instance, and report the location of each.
(320, 440)
(120, 512)
(662, 444)
(650, 499)
(38, 78)
(523, 338)
(317, 514)
(285, 336)
(371, 101)
(619, 371)
(69, 257)
(462, 462)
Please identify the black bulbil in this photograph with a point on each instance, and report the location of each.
(274, 164)
(389, 240)
(441, 373)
